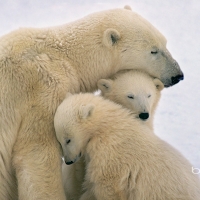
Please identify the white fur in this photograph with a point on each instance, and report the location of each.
(121, 85)
(38, 67)
(124, 160)
(135, 90)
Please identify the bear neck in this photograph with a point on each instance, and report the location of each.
(91, 62)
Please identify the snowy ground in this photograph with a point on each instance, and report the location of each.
(178, 116)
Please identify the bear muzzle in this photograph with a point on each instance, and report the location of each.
(73, 161)
(176, 79)
(144, 116)
(69, 163)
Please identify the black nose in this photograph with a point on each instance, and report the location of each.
(176, 79)
(69, 163)
(144, 116)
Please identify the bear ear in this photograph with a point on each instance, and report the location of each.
(110, 37)
(68, 95)
(104, 85)
(159, 85)
(85, 111)
(127, 7)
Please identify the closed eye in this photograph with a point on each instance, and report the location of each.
(149, 96)
(130, 96)
(68, 141)
(154, 52)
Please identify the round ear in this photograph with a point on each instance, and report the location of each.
(159, 85)
(110, 37)
(85, 111)
(104, 85)
(127, 7)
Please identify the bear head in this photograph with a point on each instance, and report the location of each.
(137, 44)
(133, 89)
(70, 119)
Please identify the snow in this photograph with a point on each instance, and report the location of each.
(177, 119)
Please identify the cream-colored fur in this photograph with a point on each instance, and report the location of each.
(135, 90)
(145, 92)
(38, 67)
(124, 161)
(73, 178)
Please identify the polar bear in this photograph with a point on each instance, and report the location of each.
(123, 159)
(39, 65)
(135, 90)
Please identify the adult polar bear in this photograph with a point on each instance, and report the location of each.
(38, 67)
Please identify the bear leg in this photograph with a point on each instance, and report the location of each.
(37, 161)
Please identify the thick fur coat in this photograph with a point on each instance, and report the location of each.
(124, 160)
(38, 67)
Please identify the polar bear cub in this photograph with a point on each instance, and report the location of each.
(123, 159)
(135, 90)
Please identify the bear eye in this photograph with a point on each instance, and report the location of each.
(149, 96)
(130, 96)
(154, 52)
(68, 141)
